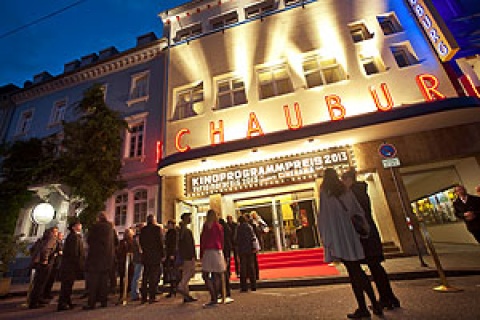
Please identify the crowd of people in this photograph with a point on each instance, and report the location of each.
(348, 231)
(146, 252)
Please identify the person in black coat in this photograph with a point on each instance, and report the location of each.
(171, 273)
(101, 253)
(42, 256)
(467, 208)
(227, 252)
(233, 226)
(151, 242)
(372, 246)
(245, 238)
(73, 264)
(55, 265)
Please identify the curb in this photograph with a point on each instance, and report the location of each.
(305, 282)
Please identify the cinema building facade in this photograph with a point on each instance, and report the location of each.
(262, 96)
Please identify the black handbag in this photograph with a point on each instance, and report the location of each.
(360, 224)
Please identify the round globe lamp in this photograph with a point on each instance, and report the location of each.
(43, 213)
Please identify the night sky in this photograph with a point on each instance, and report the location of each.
(74, 29)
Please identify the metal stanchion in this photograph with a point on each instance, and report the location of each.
(444, 287)
(125, 278)
(407, 218)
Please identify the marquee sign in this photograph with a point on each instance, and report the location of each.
(275, 172)
(436, 30)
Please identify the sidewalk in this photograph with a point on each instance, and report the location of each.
(456, 260)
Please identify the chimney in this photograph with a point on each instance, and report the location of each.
(146, 39)
(68, 67)
(89, 59)
(107, 53)
(41, 77)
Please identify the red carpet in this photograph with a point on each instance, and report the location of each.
(292, 264)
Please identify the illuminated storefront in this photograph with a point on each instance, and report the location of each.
(262, 96)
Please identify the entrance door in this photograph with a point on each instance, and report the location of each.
(292, 223)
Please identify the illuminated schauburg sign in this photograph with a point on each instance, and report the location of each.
(436, 30)
(287, 170)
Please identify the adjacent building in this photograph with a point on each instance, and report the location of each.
(133, 84)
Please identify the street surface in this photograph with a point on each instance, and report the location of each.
(330, 302)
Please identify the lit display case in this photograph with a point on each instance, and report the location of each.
(436, 208)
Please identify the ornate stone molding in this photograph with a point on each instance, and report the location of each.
(126, 60)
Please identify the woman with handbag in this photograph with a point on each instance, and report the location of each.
(341, 240)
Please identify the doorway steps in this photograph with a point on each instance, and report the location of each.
(289, 259)
(391, 250)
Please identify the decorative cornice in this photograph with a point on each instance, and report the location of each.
(126, 60)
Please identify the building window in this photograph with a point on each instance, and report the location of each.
(224, 20)
(140, 206)
(33, 231)
(291, 2)
(231, 92)
(58, 112)
(188, 32)
(259, 9)
(389, 24)
(372, 64)
(403, 54)
(139, 87)
(135, 139)
(274, 81)
(121, 204)
(189, 102)
(320, 71)
(25, 122)
(359, 32)
(437, 208)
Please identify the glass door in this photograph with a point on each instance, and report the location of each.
(292, 223)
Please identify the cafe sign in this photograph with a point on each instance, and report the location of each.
(274, 172)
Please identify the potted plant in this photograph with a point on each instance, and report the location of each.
(10, 247)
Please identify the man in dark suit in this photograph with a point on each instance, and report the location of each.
(151, 242)
(467, 208)
(101, 252)
(372, 246)
(73, 264)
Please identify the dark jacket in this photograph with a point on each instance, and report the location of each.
(125, 247)
(137, 251)
(186, 244)
(472, 204)
(73, 260)
(43, 250)
(171, 242)
(245, 238)
(101, 247)
(151, 242)
(227, 239)
(371, 245)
